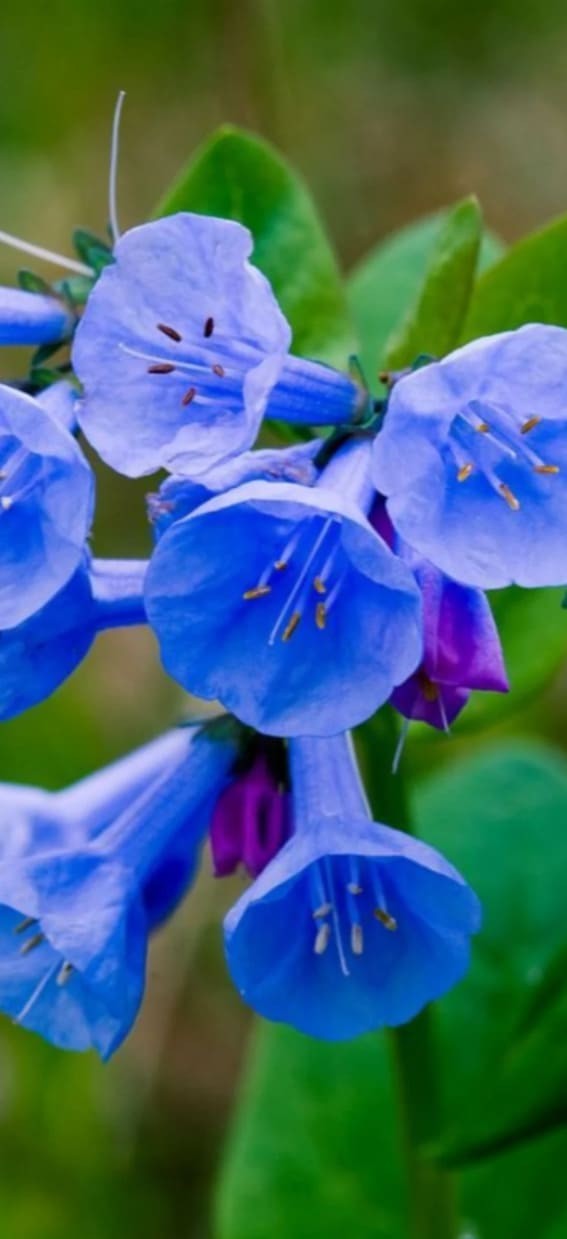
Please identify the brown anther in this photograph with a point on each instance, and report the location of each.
(529, 425)
(189, 396)
(169, 331)
(482, 428)
(219, 370)
(291, 626)
(465, 472)
(27, 923)
(546, 469)
(31, 944)
(280, 564)
(161, 367)
(429, 689)
(321, 615)
(208, 328)
(319, 586)
(389, 922)
(259, 591)
(64, 973)
(510, 497)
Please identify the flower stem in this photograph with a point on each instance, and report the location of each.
(431, 1197)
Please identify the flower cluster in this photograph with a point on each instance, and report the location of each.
(302, 587)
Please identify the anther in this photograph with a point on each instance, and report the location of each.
(280, 564)
(189, 396)
(321, 615)
(323, 910)
(389, 922)
(219, 370)
(259, 591)
(27, 923)
(319, 586)
(546, 468)
(161, 367)
(6, 503)
(465, 472)
(509, 496)
(322, 939)
(31, 944)
(64, 974)
(483, 428)
(208, 328)
(291, 626)
(529, 425)
(169, 331)
(356, 940)
(354, 889)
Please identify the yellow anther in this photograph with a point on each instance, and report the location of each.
(32, 943)
(291, 627)
(322, 939)
(319, 586)
(321, 615)
(280, 564)
(529, 425)
(546, 469)
(510, 497)
(323, 910)
(482, 428)
(389, 922)
(259, 591)
(465, 472)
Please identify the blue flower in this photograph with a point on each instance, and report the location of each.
(32, 318)
(468, 458)
(40, 653)
(76, 909)
(353, 925)
(281, 601)
(46, 504)
(185, 337)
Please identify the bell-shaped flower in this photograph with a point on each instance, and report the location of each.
(251, 820)
(185, 337)
(40, 653)
(353, 925)
(46, 503)
(461, 652)
(75, 915)
(472, 459)
(32, 318)
(282, 602)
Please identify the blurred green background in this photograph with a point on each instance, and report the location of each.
(389, 110)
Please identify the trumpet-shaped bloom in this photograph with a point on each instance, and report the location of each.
(353, 925)
(32, 318)
(251, 821)
(74, 916)
(462, 649)
(46, 505)
(472, 458)
(39, 654)
(282, 602)
(185, 337)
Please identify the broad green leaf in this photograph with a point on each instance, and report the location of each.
(314, 1146)
(387, 282)
(433, 324)
(241, 177)
(527, 285)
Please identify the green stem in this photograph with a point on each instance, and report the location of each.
(431, 1189)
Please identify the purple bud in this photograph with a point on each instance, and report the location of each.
(250, 822)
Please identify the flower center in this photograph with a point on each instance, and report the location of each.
(348, 906)
(319, 566)
(485, 437)
(211, 371)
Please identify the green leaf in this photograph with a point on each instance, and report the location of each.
(527, 285)
(91, 250)
(238, 176)
(314, 1145)
(433, 324)
(387, 282)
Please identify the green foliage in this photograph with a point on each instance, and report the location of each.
(241, 177)
(315, 1140)
(527, 285)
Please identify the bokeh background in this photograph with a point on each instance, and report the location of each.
(390, 111)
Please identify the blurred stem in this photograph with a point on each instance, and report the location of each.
(431, 1189)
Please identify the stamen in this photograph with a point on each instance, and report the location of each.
(322, 939)
(389, 922)
(465, 472)
(37, 251)
(322, 910)
(280, 564)
(529, 425)
(32, 943)
(161, 367)
(356, 940)
(208, 328)
(482, 428)
(321, 615)
(170, 331)
(65, 973)
(189, 396)
(219, 370)
(259, 591)
(291, 626)
(112, 207)
(354, 889)
(404, 730)
(336, 921)
(6, 502)
(27, 923)
(509, 496)
(319, 586)
(546, 468)
(38, 991)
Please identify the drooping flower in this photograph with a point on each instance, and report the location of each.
(469, 458)
(75, 916)
(185, 337)
(251, 820)
(40, 653)
(32, 318)
(353, 925)
(46, 503)
(282, 602)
